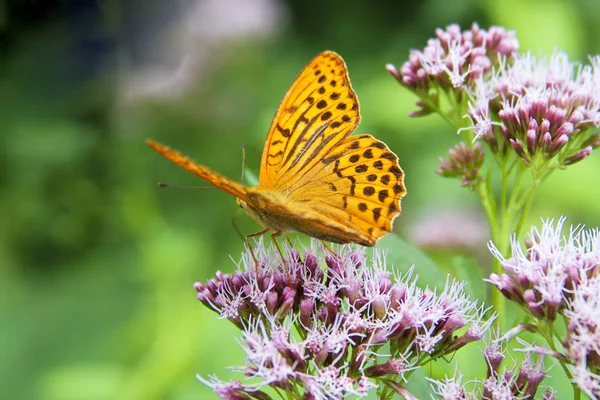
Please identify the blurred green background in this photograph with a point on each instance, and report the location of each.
(97, 263)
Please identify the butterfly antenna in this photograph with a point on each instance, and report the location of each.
(243, 161)
(168, 185)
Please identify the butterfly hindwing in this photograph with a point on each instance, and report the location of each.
(359, 183)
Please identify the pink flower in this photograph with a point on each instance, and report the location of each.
(321, 326)
(522, 381)
(543, 108)
(560, 275)
(464, 163)
(454, 58)
(542, 278)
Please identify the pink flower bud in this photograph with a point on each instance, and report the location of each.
(518, 147)
(580, 155)
(557, 145)
(531, 141)
(307, 307)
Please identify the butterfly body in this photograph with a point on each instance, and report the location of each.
(315, 178)
(278, 213)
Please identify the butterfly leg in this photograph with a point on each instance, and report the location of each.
(289, 241)
(274, 236)
(247, 237)
(333, 253)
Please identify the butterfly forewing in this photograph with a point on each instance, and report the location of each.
(318, 112)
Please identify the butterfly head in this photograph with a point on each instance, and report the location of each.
(257, 213)
(241, 203)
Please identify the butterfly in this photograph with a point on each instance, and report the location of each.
(315, 178)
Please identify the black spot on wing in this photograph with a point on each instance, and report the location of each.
(383, 194)
(376, 213)
(394, 169)
(362, 168)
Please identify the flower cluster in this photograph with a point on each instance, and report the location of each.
(464, 162)
(543, 278)
(319, 332)
(540, 108)
(560, 275)
(582, 341)
(454, 58)
(520, 382)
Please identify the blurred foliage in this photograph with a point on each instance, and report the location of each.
(97, 263)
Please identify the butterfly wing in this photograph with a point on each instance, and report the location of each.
(358, 184)
(210, 176)
(319, 110)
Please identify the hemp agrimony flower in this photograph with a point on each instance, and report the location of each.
(450, 64)
(542, 108)
(464, 163)
(522, 381)
(543, 278)
(327, 326)
(455, 58)
(559, 275)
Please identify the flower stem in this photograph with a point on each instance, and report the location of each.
(527, 207)
(489, 205)
(484, 192)
(548, 334)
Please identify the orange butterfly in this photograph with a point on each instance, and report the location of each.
(315, 178)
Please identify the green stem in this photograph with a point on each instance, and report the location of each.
(453, 116)
(507, 214)
(548, 334)
(484, 191)
(385, 393)
(515, 197)
(278, 391)
(527, 207)
(504, 190)
(509, 208)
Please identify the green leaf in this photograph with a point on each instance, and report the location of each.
(467, 269)
(403, 255)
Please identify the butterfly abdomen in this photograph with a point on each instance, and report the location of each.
(276, 211)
